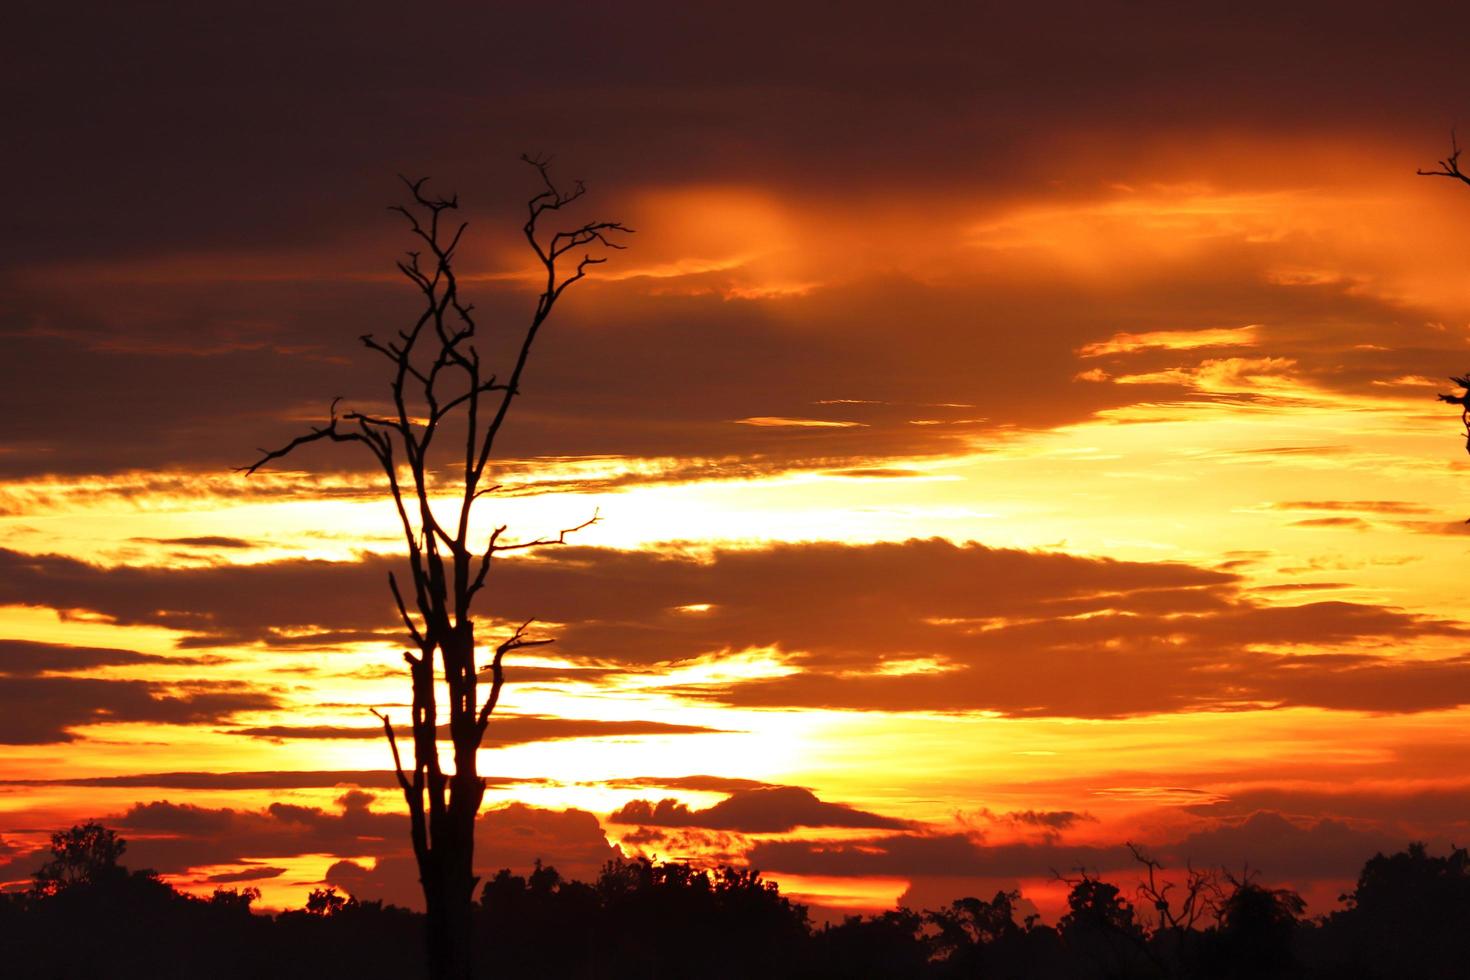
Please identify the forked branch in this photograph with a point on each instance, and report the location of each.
(516, 641)
(495, 547)
(1201, 892)
(1450, 165)
(317, 433)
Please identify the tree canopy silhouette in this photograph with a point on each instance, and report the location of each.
(84, 855)
(1406, 917)
(440, 386)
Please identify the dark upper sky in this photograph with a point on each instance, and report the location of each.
(259, 142)
(144, 127)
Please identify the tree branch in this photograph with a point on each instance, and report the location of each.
(493, 548)
(403, 612)
(497, 670)
(1450, 165)
(393, 744)
(328, 431)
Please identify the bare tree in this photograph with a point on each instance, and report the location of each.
(1450, 167)
(1201, 896)
(439, 382)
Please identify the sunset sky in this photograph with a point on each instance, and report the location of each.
(1013, 431)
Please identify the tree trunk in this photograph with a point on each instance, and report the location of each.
(449, 902)
(449, 879)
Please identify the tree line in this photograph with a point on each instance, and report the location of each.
(86, 916)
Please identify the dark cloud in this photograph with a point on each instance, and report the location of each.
(1362, 506)
(216, 137)
(775, 809)
(514, 837)
(1023, 633)
(300, 779)
(1266, 842)
(1292, 451)
(1049, 819)
(168, 408)
(222, 603)
(174, 838)
(692, 844)
(1356, 523)
(249, 874)
(204, 541)
(703, 784)
(28, 658)
(948, 855)
(993, 356)
(1282, 849)
(40, 710)
(37, 707)
(503, 730)
(1412, 810)
(615, 602)
(1436, 527)
(1144, 682)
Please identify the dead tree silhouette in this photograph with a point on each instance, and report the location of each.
(1450, 167)
(437, 375)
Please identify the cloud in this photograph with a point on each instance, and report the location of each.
(294, 779)
(224, 602)
(1277, 847)
(1145, 682)
(1283, 849)
(1436, 527)
(723, 428)
(917, 625)
(503, 730)
(698, 783)
(1356, 523)
(775, 809)
(201, 541)
(1414, 810)
(1128, 343)
(220, 346)
(1048, 819)
(174, 838)
(41, 710)
(514, 837)
(931, 855)
(28, 658)
(183, 344)
(769, 422)
(260, 873)
(1361, 506)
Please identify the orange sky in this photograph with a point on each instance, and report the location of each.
(1007, 446)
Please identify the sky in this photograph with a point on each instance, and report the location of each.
(1013, 434)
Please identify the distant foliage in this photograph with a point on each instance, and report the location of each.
(84, 855)
(89, 918)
